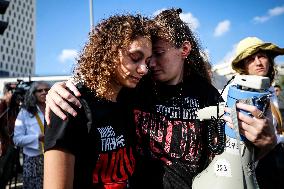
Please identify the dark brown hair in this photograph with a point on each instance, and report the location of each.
(170, 27)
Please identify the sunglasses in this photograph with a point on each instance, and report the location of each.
(41, 90)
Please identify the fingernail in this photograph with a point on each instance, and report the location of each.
(74, 114)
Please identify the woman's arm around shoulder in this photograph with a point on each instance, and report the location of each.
(58, 169)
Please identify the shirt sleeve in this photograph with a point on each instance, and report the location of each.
(66, 134)
(21, 136)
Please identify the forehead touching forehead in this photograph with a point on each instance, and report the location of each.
(142, 45)
(162, 44)
(140, 42)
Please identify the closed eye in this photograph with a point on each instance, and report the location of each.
(148, 60)
(158, 53)
(136, 56)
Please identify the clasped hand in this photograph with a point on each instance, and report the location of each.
(257, 128)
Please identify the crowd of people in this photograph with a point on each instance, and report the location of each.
(128, 117)
(22, 130)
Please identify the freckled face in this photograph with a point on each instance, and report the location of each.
(257, 64)
(133, 62)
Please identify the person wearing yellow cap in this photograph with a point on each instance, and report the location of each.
(256, 57)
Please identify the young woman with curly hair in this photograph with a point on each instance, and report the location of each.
(94, 149)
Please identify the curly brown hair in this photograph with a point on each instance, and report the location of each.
(96, 64)
(170, 27)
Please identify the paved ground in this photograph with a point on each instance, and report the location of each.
(17, 185)
(17, 181)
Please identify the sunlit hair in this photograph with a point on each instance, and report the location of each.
(171, 28)
(272, 71)
(97, 61)
(30, 100)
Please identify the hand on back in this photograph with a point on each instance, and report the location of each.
(57, 100)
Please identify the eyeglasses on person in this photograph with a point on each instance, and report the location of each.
(42, 90)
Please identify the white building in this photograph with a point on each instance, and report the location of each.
(221, 74)
(17, 44)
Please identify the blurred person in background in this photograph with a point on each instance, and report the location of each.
(278, 92)
(8, 153)
(29, 134)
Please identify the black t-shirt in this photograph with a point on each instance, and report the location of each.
(100, 138)
(171, 145)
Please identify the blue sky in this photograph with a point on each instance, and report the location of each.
(62, 26)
